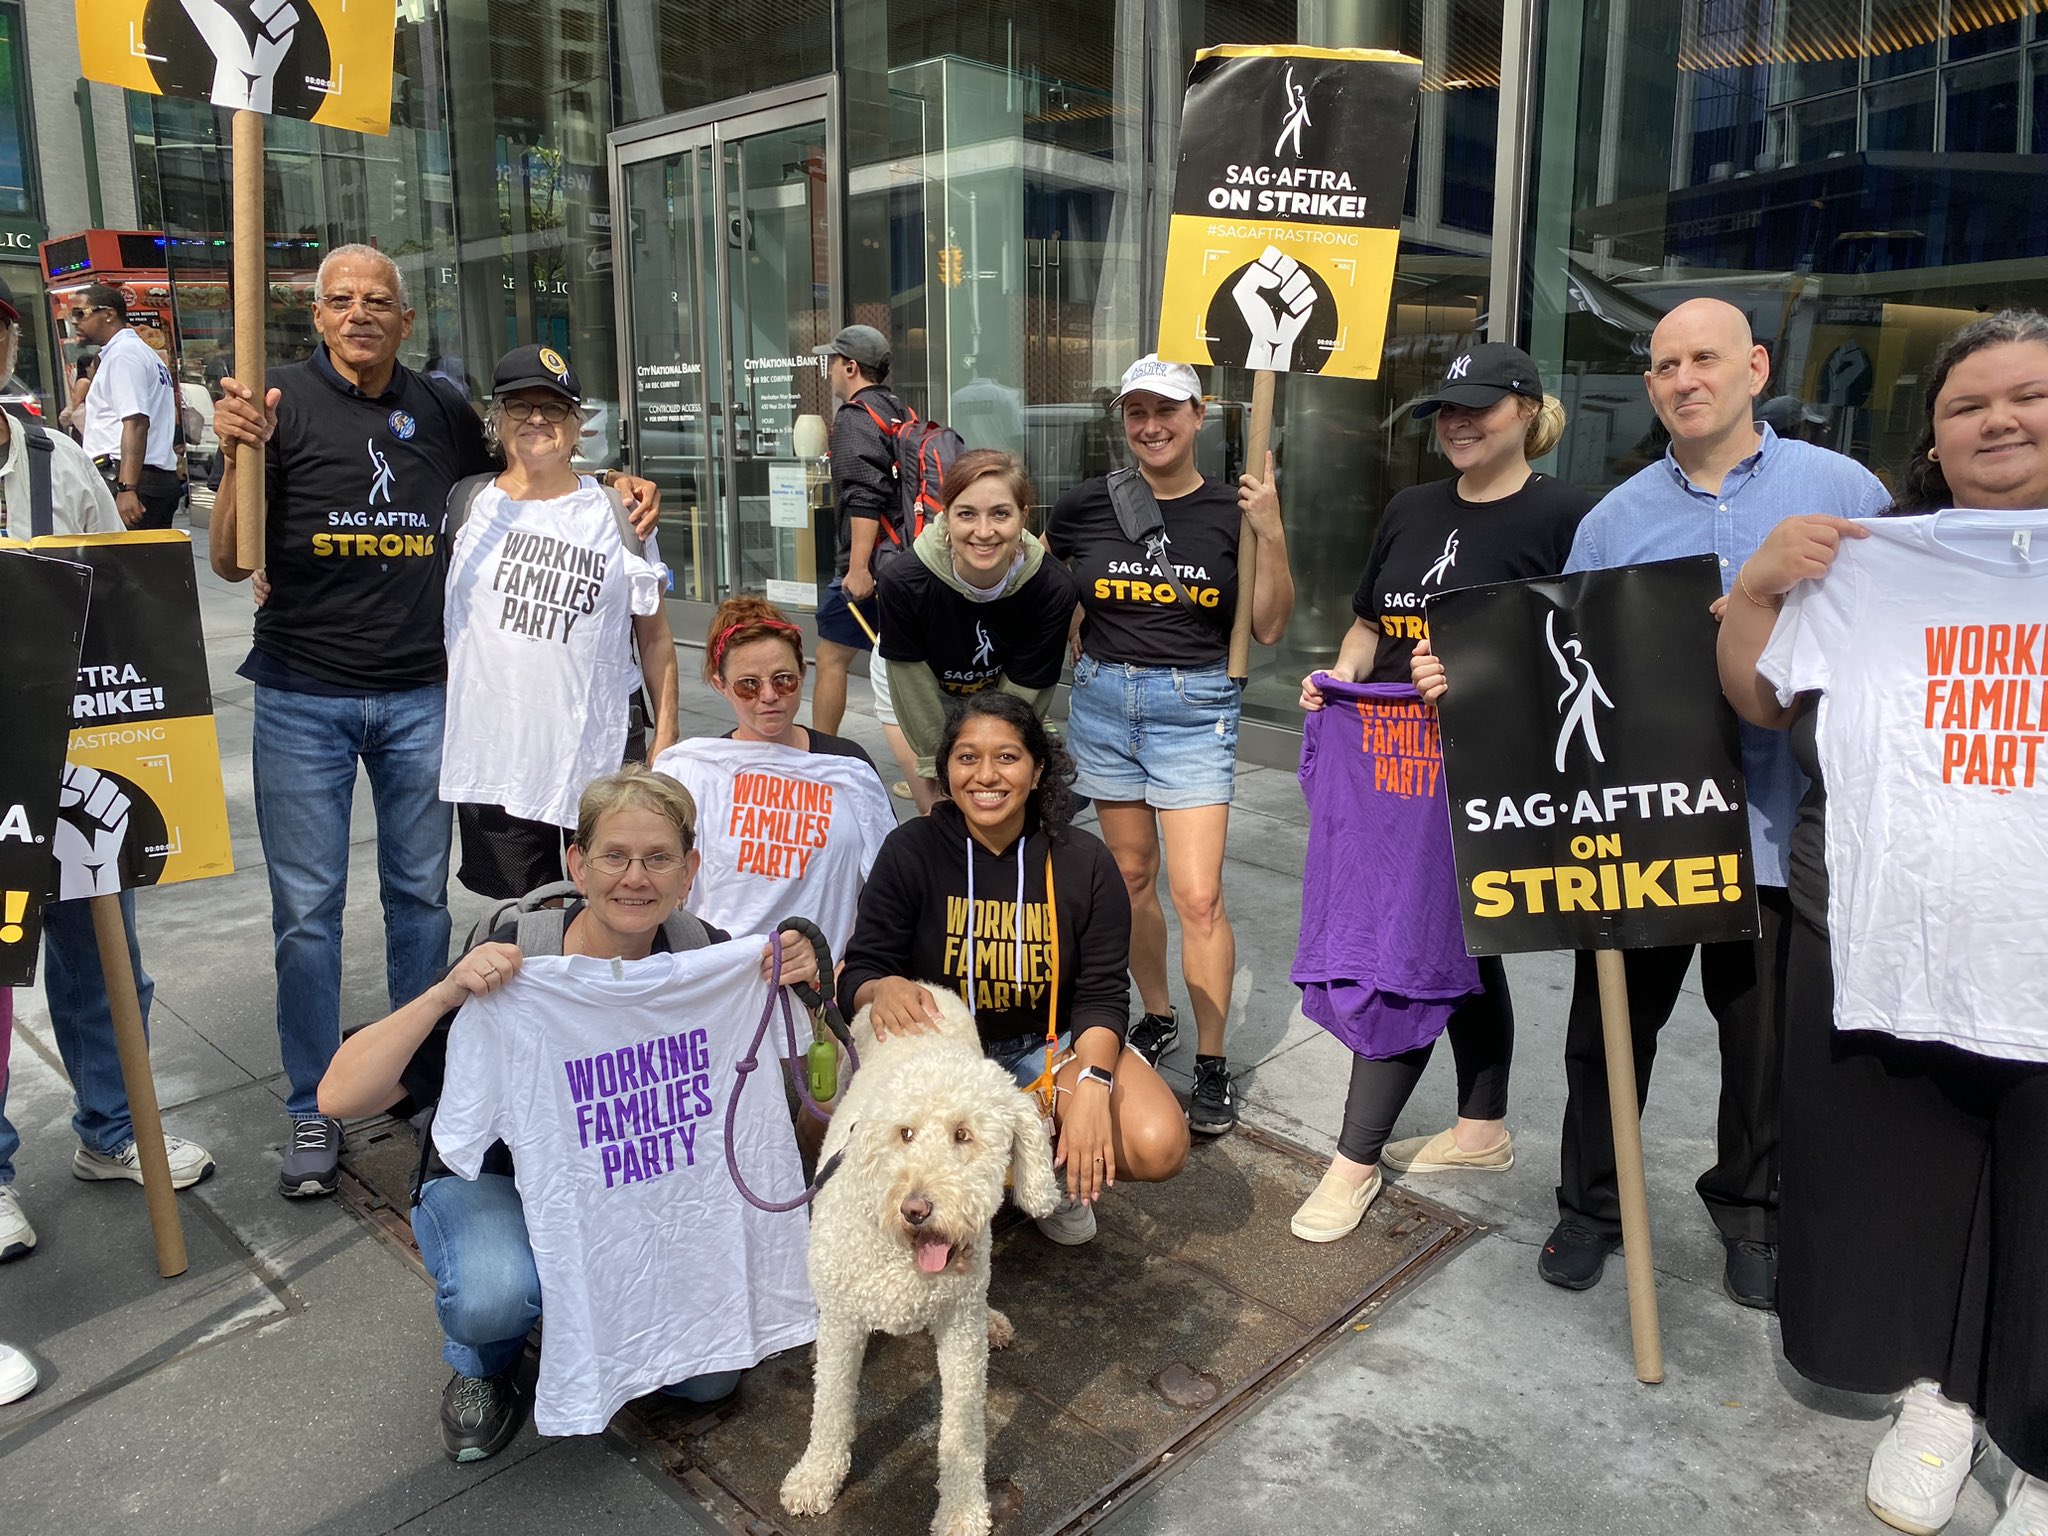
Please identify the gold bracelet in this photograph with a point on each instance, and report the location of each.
(1741, 581)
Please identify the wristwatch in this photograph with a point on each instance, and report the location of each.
(1095, 1075)
(121, 487)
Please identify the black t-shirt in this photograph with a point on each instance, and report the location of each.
(1432, 540)
(828, 746)
(1133, 614)
(358, 490)
(967, 644)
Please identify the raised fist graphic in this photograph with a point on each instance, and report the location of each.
(92, 826)
(1275, 297)
(246, 53)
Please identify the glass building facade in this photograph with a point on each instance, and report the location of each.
(688, 198)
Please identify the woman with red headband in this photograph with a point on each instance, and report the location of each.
(789, 818)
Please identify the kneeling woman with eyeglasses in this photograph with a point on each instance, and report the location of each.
(998, 895)
(550, 591)
(790, 819)
(634, 863)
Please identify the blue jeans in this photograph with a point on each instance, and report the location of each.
(1163, 735)
(84, 1026)
(472, 1237)
(306, 749)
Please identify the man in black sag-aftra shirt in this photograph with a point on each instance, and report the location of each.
(360, 453)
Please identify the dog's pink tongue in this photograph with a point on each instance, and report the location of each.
(933, 1254)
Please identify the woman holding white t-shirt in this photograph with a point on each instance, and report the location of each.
(791, 818)
(634, 863)
(1914, 1156)
(549, 593)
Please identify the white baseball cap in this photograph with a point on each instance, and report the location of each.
(1148, 375)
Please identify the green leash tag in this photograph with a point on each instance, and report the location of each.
(821, 1066)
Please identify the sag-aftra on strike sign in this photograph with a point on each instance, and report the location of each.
(1287, 208)
(1594, 770)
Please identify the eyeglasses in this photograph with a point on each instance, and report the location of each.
(551, 411)
(784, 684)
(342, 303)
(656, 864)
(79, 314)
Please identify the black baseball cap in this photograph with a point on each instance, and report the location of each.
(10, 311)
(863, 343)
(536, 368)
(1480, 375)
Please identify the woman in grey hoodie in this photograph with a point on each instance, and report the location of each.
(979, 606)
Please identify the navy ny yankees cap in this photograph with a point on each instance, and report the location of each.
(1479, 376)
(535, 368)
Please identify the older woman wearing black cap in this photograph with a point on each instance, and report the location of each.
(1498, 520)
(550, 591)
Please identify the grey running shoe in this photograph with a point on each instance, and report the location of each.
(480, 1415)
(312, 1158)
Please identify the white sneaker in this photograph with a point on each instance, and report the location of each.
(190, 1163)
(1071, 1224)
(17, 1374)
(1919, 1467)
(17, 1237)
(2026, 1507)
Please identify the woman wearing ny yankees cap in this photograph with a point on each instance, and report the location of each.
(550, 592)
(1496, 520)
(977, 606)
(1152, 724)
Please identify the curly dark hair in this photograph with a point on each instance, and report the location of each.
(1052, 799)
(1922, 485)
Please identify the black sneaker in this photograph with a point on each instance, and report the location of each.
(1751, 1276)
(1574, 1255)
(312, 1158)
(480, 1415)
(1212, 1107)
(1154, 1035)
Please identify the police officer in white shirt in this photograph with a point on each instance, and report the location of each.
(131, 412)
(48, 485)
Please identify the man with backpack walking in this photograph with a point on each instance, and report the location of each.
(869, 511)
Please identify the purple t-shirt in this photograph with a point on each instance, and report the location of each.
(1382, 959)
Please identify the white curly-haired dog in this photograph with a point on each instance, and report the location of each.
(900, 1242)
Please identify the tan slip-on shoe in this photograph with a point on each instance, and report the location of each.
(1335, 1209)
(1442, 1154)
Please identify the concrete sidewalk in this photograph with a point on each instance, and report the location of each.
(288, 1381)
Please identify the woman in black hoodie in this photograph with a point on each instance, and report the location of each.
(1036, 950)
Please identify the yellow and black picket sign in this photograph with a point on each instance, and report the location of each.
(142, 798)
(326, 61)
(1287, 208)
(42, 623)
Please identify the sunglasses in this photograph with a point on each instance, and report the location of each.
(80, 314)
(784, 684)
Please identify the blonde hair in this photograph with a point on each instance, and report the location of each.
(634, 787)
(1546, 428)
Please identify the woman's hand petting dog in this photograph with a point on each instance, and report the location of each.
(1087, 1151)
(799, 961)
(902, 1007)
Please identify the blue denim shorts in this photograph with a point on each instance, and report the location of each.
(1024, 1061)
(1163, 735)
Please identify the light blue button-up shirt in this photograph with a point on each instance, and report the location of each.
(1659, 514)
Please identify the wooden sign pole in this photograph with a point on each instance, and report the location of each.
(252, 297)
(1257, 440)
(140, 1083)
(1628, 1165)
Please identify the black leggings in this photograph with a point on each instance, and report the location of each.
(1482, 1032)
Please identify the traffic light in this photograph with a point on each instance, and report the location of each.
(952, 266)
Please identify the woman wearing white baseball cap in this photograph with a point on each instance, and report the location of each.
(1152, 725)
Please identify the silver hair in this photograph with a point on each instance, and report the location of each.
(353, 252)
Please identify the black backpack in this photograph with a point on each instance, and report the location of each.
(924, 451)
